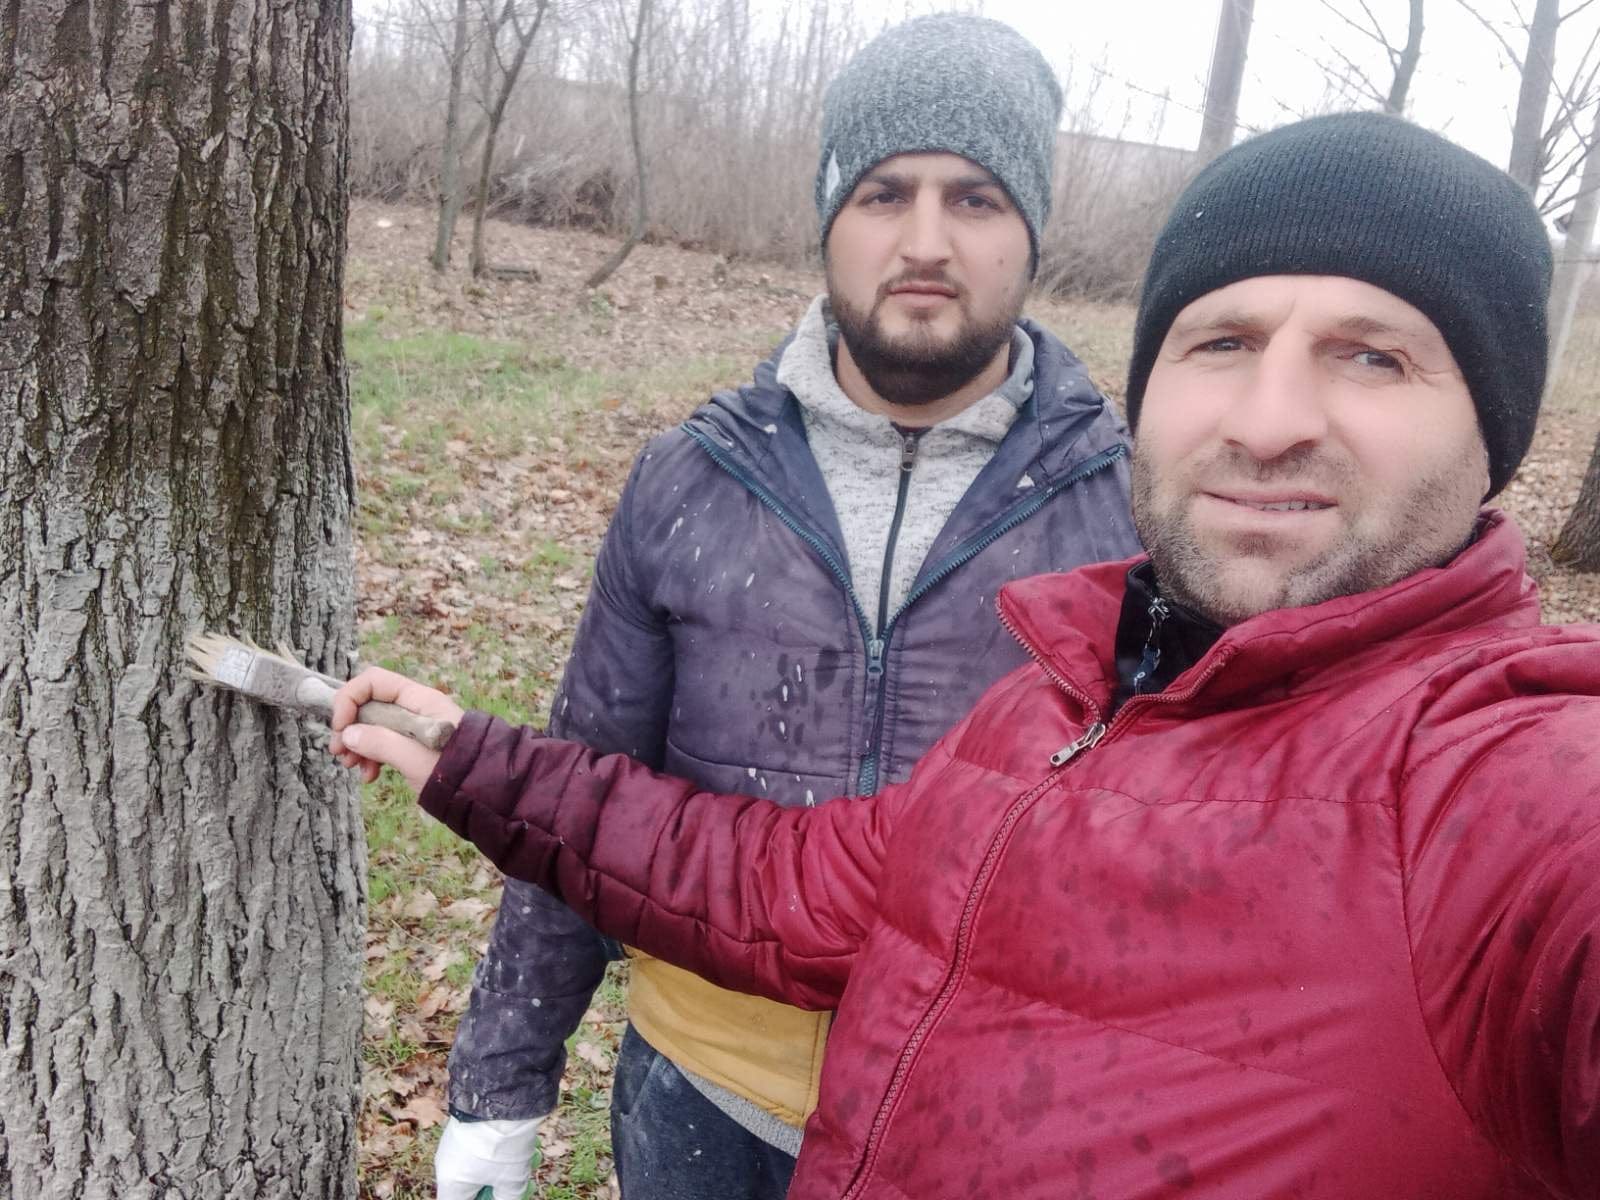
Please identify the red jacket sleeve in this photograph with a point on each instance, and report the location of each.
(1503, 900)
(754, 897)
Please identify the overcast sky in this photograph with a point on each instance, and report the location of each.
(1465, 86)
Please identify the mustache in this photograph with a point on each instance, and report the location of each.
(935, 277)
(1298, 465)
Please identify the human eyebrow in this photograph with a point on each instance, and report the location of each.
(1359, 325)
(887, 179)
(971, 183)
(1225, 320)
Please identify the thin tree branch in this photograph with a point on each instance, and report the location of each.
(1516, 59)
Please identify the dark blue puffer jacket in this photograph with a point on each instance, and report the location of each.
(722, 642)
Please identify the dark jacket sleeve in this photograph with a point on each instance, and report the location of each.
(1504, 906)
(536, 981)
(754, 897)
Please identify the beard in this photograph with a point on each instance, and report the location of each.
(1381, 541)
(919, 366)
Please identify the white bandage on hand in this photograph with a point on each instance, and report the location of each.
(485, 1154)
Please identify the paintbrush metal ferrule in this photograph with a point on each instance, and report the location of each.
(248, 669)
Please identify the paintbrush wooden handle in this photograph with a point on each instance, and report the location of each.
(432, 732)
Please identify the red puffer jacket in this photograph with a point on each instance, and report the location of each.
(1320, 920)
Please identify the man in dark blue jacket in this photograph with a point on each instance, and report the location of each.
(793, 599)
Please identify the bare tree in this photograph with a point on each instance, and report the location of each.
(1221, 114)
(1547, 154)
(636, 39)
(450, 155)
(1538, 70)
(1403, 58)
(505, 56)
(182, 909)
(1578, 544)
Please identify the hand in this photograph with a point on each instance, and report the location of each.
(485, 1154)
(367, 748)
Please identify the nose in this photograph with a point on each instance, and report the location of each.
(925, 234)
(1281, 402)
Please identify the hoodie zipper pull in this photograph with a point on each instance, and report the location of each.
(1090, 739)
(908, 450)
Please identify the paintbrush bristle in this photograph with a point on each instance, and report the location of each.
(240, 664)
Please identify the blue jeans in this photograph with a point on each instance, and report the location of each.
(671, 1143)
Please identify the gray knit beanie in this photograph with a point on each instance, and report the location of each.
(964, 85)
(1374, 198)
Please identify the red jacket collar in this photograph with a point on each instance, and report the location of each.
(1069, 621)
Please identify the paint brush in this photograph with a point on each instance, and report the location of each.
(279, 680)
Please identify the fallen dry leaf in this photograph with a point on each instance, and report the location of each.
(425, 1111)
(468, 908)
(422, 903)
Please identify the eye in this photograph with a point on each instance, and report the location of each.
(978, 202)
(1377, 360)
(879, 196)
(1221, 345)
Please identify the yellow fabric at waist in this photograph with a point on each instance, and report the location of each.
(768, 1053)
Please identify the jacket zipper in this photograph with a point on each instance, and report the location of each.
(1061, 761)
(877, 680)
(947, 990)
(908, 463)
(867, 777)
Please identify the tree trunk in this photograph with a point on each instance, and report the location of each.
(1578, 544)
(640, 212)
(450, 162)
(508, 81)
(1538, 65)
(184, 872)
(1406, 65)
(480, 207)
(1576, 258)
(1227, 74)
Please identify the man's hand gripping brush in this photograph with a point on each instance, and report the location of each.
(278, 680)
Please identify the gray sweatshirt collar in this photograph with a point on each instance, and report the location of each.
(806, 369)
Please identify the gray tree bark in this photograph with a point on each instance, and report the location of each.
(183, 873)
(1221, 114)
(450, 161)
(1575, 261)
(1526, 164)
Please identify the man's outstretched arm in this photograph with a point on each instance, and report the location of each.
(754, 897)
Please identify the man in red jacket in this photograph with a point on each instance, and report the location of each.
(1279, 874)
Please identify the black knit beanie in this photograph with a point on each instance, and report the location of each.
(1378, 199)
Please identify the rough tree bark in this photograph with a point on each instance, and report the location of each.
(183, 899)
(640, 212)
